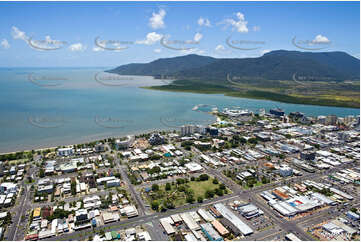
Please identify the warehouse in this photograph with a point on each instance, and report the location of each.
(190, 237)
(341, 193)
(230, 226)
(228, 214)
(323, 198)
(211, 234)
(176, 218)
(288, 207)
(188, 220)
(250, 211)
(280, 209)
(167, 226)
(292, 237)
(205, 215)
(220, 228)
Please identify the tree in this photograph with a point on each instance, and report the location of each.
(41, 172)
(155, 169)
(242, 140)
(253, 141)
(200, 199)
(192, 178)
(168, 187)
(203, 177)
(73, 188)
(190, 198)
(169, 204)
(222, 186)
(155, 205)
(354, 210)
(219, 192)
(155, 187)
(209, 194)
(182, 188)
(215, 181)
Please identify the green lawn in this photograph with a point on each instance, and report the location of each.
(179, 198)
(201, 187)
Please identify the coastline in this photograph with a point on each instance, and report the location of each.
(83, 141)
(258, 95)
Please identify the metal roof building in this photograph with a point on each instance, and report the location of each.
(292, 237)
(220, 228)
(167, 226)
(188, 220)
(205, 215)
(323, 198)
(228, 214)
(210, 232)
(341, 193)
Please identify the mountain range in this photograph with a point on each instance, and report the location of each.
(275, 65)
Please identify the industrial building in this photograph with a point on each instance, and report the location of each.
(210, 232)
(228, 214)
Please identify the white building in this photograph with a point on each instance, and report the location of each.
(65, 151)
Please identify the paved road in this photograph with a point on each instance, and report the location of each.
(140, 204)
(17, 230)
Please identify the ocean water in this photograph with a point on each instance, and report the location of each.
(46, 107)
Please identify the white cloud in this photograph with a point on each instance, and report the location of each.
(256, 28)
(197, 37)
(77, 47)
(204, 22)
(320, 39)
(240, 24)
(18, 34)
(156, 21)
(265, 51)
(96, 49)
(219, 48)
(151, 38)
(5, 44)
(157, 50)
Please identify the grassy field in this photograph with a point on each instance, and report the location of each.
(313, 93)
(178, 195)
(200, 187)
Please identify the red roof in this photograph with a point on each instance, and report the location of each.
(31, 237)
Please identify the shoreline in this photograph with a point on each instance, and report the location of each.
(89, 139)
(277, 98)
(86, 140)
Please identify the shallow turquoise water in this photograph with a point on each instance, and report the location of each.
(43, 107)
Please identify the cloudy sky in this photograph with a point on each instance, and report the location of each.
(110, 34)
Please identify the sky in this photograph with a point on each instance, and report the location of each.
(109, 34)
